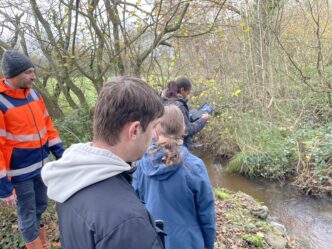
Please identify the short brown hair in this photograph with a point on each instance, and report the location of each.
(122, 100)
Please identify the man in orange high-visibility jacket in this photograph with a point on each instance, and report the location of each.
(27, 137)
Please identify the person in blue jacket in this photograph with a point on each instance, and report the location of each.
(177, 92)
(175, 187)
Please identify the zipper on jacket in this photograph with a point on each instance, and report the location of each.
(35, 123)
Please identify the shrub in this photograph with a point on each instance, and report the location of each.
(75, 127)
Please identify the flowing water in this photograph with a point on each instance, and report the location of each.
(307, 219)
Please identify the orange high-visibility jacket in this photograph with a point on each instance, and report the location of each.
(27, 136)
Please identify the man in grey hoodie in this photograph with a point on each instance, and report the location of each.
(96, 205)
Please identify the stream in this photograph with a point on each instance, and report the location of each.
(307, 219)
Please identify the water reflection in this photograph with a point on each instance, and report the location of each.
(307, 219)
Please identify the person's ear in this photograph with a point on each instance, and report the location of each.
(134, 129)
(157, 130)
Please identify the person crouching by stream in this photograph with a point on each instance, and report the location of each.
(174, 185)
(177, 93)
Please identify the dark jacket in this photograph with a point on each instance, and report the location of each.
(106, 215)
(181, 195)
(191, 127)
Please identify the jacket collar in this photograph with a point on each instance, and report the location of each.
(15, 93)
(8, 84)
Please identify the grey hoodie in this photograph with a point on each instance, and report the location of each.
(81, 165)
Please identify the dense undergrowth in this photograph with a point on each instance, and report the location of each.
(287, 140)
(75, 127)
(10, 238)
(261, 149)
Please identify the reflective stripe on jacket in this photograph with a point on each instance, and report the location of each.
(27, 136)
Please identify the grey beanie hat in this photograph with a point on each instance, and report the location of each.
(14, 63)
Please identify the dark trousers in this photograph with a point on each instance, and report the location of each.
(31, 204)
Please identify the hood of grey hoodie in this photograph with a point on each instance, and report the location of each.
(81, 165)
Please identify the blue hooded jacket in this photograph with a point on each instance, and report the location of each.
(181, 195)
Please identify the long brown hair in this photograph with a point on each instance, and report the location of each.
(171, 90)
(171, 130)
